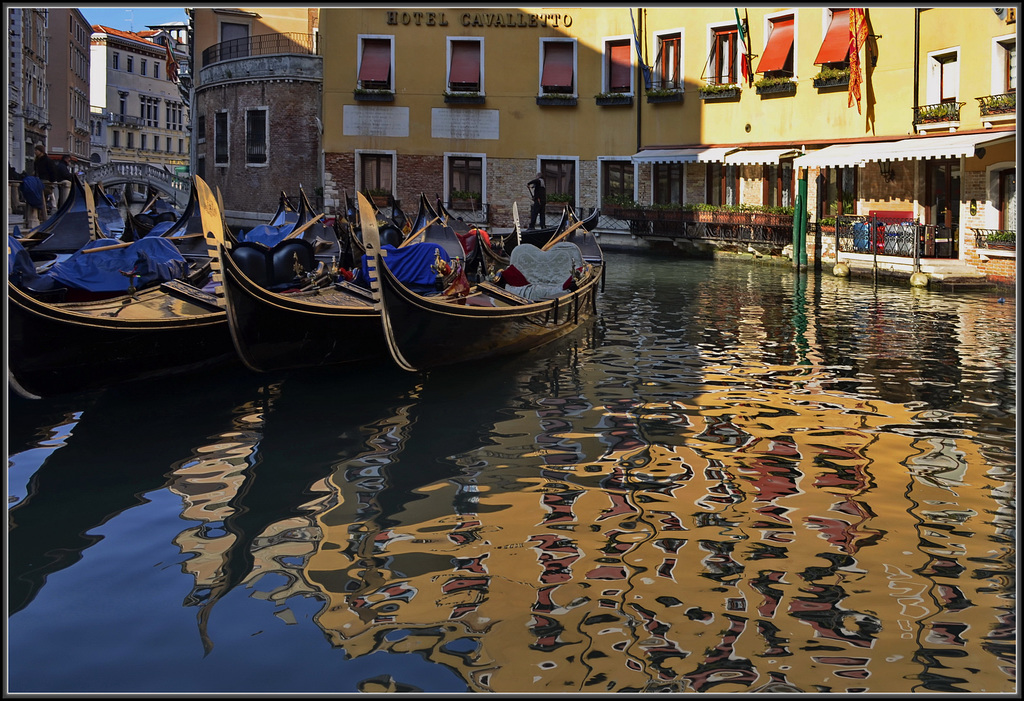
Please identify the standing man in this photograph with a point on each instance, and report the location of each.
(46, 170)
(64, 175)
(539, 195)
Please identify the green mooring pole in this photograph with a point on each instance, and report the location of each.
(799, 205)
(802, 197)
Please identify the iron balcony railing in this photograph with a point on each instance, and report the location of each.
(902, 238)
(1000, 239)
(998, 104)
(772, 230)
(261, 45)
(940, 112)
(125, 119)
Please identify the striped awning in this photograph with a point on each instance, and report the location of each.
(918, 148)
(700, 154)
(756, 156)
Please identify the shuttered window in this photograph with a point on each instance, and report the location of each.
(464, 73)
(557, 76)
(375, 64)
(836, 45)
(256, 136)
(778, 54)
(619, 65)
(220, 139)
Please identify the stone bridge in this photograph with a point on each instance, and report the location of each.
(178, 189)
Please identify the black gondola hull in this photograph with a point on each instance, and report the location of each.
(273, 331)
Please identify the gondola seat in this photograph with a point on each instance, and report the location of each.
(285, 257)
(253, 260)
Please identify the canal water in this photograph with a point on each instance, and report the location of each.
(735, 479)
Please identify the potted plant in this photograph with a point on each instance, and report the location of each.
(556, 98)
(617, 205)
(1002, 238)
(998, 104)
(368, 95)
(719, 91)
(613, 98)
(830, 77)
(464, 98)
(558, 200)
(655, 95)
(465, 199)
(774, 84)
(379, 196)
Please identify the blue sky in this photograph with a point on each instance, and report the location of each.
(133, 18)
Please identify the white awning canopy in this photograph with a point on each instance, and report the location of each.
(919, 148)
(700, 154)
(759, 155)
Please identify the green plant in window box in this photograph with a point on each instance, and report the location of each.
(611, 96)
(557, 95)
(832, 73)
(661, 92)
(619, 201)
(1001, 103)
(771, 81)
(718, 88)
(1001, 236)
(457, 93)
(373, 92)
(559, 197)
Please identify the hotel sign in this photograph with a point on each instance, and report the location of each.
(477, 19)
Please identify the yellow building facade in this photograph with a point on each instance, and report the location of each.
(672, 105)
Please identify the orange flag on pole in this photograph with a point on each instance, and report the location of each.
(172, 65)
(858, 35)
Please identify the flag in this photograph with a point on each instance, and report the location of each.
(172, 65)
(745, 58)
(640, 53)
(858, 35)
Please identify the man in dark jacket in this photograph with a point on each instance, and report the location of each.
(539, 195)
(64, 177)
(46, 170)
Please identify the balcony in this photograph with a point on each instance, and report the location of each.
(126, 120)
(261, 45)
(995, 239)
(998, 108)
(943, 115)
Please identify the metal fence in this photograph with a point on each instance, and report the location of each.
(773, 230)
(894, 237)
(263, 45)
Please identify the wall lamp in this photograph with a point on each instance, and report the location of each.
(885, 168)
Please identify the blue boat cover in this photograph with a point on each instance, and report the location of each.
(149, 260)
(32, 191)
(21, 270)
(160, 227)
(268, 235)
(411, 264)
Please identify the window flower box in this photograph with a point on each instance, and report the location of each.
(998, 104)
(465, 199)
(614, 98)
(552, 99)
(664, 95)
(463, 98)
(831, 78)
(362, 95)
(774, 86)
(714, 91)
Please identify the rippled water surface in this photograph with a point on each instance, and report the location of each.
(736, 479)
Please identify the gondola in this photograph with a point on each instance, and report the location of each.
(540, 237)
(424, 331)
(471, 239)
(155, 211)
(286, 212)
(56, 348)
(69, 228)
(496, 255)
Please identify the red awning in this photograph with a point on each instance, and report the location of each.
(620, 68)
(836, 45)
(557, 65)
(780, 43)
(376, 64)
(465, 62)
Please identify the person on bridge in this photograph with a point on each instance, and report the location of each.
(64, 175)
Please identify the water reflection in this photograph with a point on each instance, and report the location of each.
(734, 480)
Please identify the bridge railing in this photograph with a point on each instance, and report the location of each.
(142, 173)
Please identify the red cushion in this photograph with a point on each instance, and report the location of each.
(513, 277)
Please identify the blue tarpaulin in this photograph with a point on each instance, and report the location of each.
(148, 260)
(21, 270)
(32, 191)
(411, 264)
(268, 235)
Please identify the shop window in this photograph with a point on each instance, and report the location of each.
(668, 183)
(376, 172)
(617, 179)
(465, 174)
(559, 177)
(618, 66)
(375, 64)
(464, 70)
(558, 67)
(256, 133)
(837, 192)
(722, 184)
(668, 64)
(778, 184)
(1008, 199)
